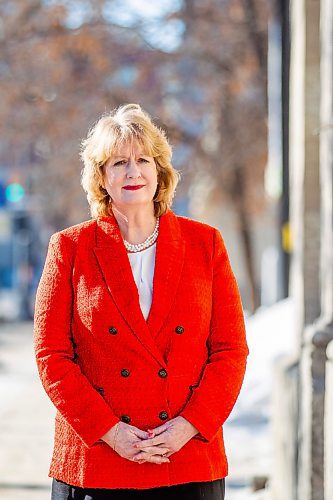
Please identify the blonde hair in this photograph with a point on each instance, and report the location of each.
(124, 124)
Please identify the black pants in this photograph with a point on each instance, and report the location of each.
(212, 490)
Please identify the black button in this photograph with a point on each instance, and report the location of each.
(124, 372)
(112, 330)
(100, 390)
(163, 415)
(179, 329)
(163, 373)
(125, 418)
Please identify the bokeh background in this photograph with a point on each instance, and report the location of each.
(243, 89)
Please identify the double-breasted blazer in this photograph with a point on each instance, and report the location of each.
(100, 361)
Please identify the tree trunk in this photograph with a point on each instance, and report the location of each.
(238, 190)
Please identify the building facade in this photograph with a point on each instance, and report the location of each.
(304, 451)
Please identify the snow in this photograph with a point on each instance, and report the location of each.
(271, 333)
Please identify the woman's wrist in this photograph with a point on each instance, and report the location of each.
(110, 437)
(193, 431)
(113, 446)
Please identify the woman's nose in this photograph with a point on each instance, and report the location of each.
(133, 168)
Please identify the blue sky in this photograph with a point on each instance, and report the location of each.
(150, 16)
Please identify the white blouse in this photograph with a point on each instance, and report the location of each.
(143, 265)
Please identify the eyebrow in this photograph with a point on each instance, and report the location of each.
(124, 156)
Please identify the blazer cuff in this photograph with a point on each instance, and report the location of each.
(98, 430)
(90, 429)
(203, 421)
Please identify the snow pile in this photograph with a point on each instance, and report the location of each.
(271, 333)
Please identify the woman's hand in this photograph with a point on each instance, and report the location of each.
(172, 435)
(121, 438)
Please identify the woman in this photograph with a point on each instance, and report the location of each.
(139, 331)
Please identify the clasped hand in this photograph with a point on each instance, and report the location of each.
(154, 446)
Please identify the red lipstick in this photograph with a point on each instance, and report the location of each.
(133, 187)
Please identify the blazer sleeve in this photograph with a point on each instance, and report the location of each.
(67, 387)
(214, 397)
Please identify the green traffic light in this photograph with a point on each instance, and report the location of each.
(14, 192)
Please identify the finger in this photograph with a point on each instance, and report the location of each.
(160, 429)
(155, 459)
(140, 434)
(155, 450)
(149, 442)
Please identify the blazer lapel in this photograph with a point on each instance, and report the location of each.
(170, 251)
(113, 261)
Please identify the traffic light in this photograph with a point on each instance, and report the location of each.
(14, 192)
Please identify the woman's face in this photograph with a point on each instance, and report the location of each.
(129, 167)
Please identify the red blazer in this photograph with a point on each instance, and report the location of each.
(89, 328)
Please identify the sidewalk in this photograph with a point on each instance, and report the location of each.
(26, 419)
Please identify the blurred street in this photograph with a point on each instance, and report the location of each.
(26, 419)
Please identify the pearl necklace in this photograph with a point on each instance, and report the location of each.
(137, 247)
